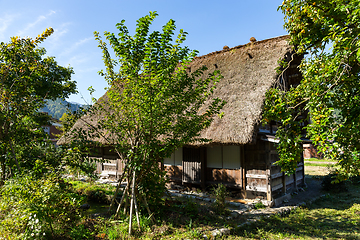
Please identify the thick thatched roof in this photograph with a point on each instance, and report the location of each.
(249, 71)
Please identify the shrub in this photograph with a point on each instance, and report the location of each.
(355, 180)
(220, 195)
(33, 208)
(331, 183)
(190, 208)
(94, 192)
(259, 205)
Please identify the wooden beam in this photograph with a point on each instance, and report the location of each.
(276, 175)
(274, 188)
(259, 176)
(109, 164)
(257, 189)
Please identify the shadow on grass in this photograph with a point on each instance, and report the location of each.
(303, 224)
(334, 216)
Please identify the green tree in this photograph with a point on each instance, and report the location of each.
(155, 104)
(328, 31)
(27, 79)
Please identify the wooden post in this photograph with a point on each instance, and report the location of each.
(284, 183)
(295, 183)
(102, 158)
(243, 171)
(203, 168)
(268, 172)
(303, 170)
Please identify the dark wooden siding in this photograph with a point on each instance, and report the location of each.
(230, 177)
(174, 173)
(256, 160)
(191, 165)
(264, 176)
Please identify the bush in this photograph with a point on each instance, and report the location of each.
(331, 183)
(94, 192)
(33, 208)
(355, 180)
(259, 205)
(220, 195)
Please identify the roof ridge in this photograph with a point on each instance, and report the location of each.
(244, 45)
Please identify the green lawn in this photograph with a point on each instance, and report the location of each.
(319, 160)
(319, 164)
(333, 216)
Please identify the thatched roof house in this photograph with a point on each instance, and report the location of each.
(245, 151)
(249, 71)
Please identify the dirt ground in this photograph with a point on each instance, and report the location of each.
(312, 191)
(313, 186)
(316, 170)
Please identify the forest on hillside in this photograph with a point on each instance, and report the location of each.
(58, 107)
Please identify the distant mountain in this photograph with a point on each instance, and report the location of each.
(58, 107)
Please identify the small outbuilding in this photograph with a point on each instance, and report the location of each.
(242, 152)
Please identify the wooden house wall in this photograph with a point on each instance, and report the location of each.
(250, 168)
(173, 165)
(194, 165)
(224, 165)
(257, 169)
(174, 173)
(264, 177)
(107, 161)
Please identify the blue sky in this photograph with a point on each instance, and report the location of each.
(210, 24)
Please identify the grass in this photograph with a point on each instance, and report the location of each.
(318, 160)
(315, 162)
(333, 216)
(319, 164)
(101, 193)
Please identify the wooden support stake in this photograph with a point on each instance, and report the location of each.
(121, 201)
(128, 194)
(132, 202)
(117, 188)
(131, 212)
(137, 210)
(115, 194)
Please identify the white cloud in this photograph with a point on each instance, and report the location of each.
(59, 32)
(56, 40)
(31, 25)
(75, 46)
(5, 23)
(79, 59)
